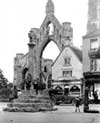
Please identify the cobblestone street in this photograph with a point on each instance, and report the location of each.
(64, 114)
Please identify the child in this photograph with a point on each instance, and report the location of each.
(77, 104)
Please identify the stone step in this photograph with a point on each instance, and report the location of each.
(27, 102)
(28, 109)
(33, 97)
(36, 105)
(32, 100)
(17, 109)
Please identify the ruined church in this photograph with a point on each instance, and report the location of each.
(50, 30)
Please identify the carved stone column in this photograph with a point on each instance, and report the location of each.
(31, 58)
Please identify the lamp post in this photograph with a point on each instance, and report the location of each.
(86, 99)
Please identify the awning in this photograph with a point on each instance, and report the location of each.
(93, 80)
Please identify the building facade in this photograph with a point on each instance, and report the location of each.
(91, 48)
(67, 70)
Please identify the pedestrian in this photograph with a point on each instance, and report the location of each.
(36, 87)
(95, 95)
(77, 104)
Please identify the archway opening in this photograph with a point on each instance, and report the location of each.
(51, 51)
(48, 56)
(24, 73)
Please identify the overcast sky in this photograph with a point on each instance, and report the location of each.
(17, 17)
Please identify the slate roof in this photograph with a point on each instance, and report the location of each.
(78, 52)
(75, 50)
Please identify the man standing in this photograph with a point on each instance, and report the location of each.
(77, 104)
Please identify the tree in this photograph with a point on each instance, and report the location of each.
(5, 87)
(3, 80)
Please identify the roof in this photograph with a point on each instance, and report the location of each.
(93, 34)
(76, 50)
(57, 57)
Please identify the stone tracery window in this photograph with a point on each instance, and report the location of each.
(50, 29)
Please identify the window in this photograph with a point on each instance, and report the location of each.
(93, 65)
(75, 89)
(98, 65)
(67, 73)
(67, 61)
(50, 29)
(94, 44)
(45, 69)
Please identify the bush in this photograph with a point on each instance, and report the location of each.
(5, 93)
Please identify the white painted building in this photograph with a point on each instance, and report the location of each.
(67, 70)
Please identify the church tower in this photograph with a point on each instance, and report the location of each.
(93, 15)
(91, 41)
(49, 8)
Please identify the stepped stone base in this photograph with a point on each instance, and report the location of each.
(29, 102)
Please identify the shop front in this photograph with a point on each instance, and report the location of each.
(71, 87)
(92, 81)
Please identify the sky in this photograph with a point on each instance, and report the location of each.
(17, 17)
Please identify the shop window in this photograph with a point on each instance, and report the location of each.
(75, 89)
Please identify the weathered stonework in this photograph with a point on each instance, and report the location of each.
(93, 15)
(29, 102)
(61, 34)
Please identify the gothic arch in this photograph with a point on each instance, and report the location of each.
(45, 43)
(41, 49)
(54, 37)
(24, 72)
(50, 19)
(39, 39)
